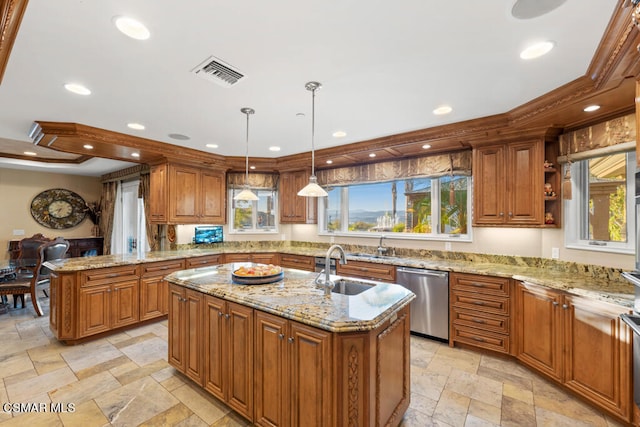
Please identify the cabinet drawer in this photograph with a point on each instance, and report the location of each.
(484, 321)
(367, 270)
(162, 268)
(466, 301)
(481, 284)
(298, 261)
(203, 261)
(479, 338)
(103, 276)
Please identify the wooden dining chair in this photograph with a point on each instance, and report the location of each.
(37, 275)
(28, 253)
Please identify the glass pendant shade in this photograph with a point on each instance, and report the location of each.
(312, 189)
(246, 193)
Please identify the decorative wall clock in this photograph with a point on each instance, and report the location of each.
(58, 208)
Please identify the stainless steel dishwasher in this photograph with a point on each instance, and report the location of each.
(430, 309)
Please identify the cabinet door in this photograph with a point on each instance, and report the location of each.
(212, 197)
(94, 310)
(214, 346)
(194, 302)
(177, 328)
(294, 208)
(271, 371)
(525, 183)
(153, 299)
(539, 342)
(240, 358)
(237, 257)
(598, 354)
(310, 367)
(184, 205)
(124, 303)
(489, 185)
(158, 193)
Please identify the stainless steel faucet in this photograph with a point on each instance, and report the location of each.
(381, 249)
(328, 284)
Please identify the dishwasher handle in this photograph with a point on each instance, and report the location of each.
(420, 272)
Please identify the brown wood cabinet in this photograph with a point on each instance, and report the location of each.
(108, 299)
(293, 362)
(259, 258)
(480, 311)
(367, 270)
(301, 262)
(183, 194)
(508, 184)
(185, 332)
(154, 289)
(580, 343)
(228, 345)
(294, 208)
(204, 261)
(552, 176)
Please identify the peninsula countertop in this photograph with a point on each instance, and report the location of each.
(296, 297)
(615, 290)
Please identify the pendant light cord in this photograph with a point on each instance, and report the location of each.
(313, 131)
(246, 165)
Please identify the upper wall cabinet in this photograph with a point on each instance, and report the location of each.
(182, 194)
(509, 184)
(294, 208)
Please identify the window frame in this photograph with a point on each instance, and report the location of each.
(575, 210)
(254, 214)
(435, 213)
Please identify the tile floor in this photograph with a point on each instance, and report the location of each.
(124, 380)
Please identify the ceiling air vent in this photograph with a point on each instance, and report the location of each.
(217, 71)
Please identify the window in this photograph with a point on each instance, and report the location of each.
(600, 215)
(254, 216)
(417, 207)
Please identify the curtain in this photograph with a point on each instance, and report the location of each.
(116, 235)
(260, 181)
(458, 163)
(152, 229)
(613, 136)
(106, 217)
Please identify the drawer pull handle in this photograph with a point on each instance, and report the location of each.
(478, 285)
(291, 339)
(480, 321)
(281, 336)
(479, 302)
(220, 314)
(565, 306)
(555, 303)
(112, 275)
(227, 316)
(478, 339)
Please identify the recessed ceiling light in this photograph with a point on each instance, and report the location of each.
(211, 145)
(591, 108)
(77, 88)
(30, 153)
(372, 155)
(443, 109)
(132, 28)
(252, 167)
(426, 146)
(274, 148)
(88, 146)
(136, 126)
(329, 162)
(179, 136)
(537, 50)
(135, 154)
(339, 134)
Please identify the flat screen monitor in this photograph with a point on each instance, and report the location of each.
(208, 234)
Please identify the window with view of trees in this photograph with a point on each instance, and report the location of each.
(254, 216)
(599, 215)
(417, 206)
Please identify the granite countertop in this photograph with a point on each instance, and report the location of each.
(599, 286)
(296, 297)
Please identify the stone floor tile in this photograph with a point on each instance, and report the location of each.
(192, 421)
(452, 408)
(171, 417)
(109, 365)
(517, 393)
(417, 419)
(473, 421)
(545, 418)
(139, 372)
(47, 358)
(516, 413)
(231, 420)
(86, 389)
(475, 387)
(423, 404)
(205, 406)
(127, 340)
(15, 364)
(24, 391)
(93, 353)
(428, 383)
(489, 413)
(147, 351)
(86, 414)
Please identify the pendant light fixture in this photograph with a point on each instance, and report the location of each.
(246, 193)
(312, 189)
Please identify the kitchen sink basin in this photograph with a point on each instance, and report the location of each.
(362, 255)
(348, 287)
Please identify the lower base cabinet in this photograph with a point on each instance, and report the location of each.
(279, 372)
(578, 342)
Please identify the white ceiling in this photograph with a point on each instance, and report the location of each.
(384, 67)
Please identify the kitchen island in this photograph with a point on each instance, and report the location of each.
(286, 354)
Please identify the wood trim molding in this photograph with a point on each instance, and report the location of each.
(11, 13)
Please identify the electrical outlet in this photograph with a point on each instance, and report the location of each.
(555, 253)
(18, 232)
(447, 246)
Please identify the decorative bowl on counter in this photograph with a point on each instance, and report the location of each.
(257, 274)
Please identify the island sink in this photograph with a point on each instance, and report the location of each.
(348, 287)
